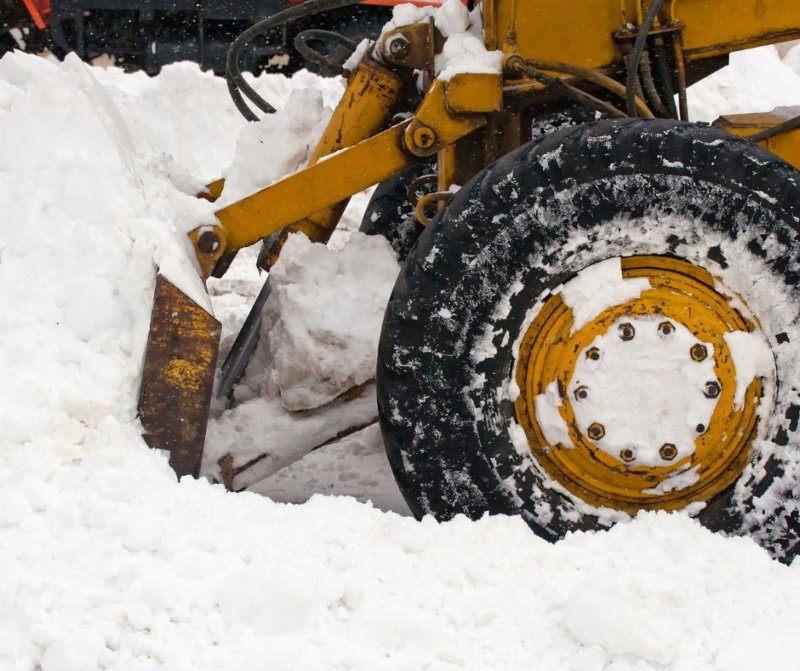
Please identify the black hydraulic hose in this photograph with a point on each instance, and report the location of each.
(635, 57)
(237, 86)
(662, 63)
(302, 40)
(785, 127)
(649, 84)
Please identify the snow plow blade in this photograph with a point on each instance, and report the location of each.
(178, 377)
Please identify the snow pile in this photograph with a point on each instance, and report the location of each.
(83, 227)
(319, 340)
(323, 318)
(276, 146)
(109, 563)
(748, 84)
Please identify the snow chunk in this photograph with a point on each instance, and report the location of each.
(323, 318)
(549, 418)
(674, 483)
(464, 50)
(752, 358)
(599, 287)
(276, 146)
(466, 53)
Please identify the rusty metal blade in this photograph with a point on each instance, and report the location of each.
(178, 377)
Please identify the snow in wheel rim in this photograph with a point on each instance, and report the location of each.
(573, 405)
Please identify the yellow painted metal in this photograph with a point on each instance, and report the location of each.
(579, 31)
(681, 292)
(214, 190)
(473, 93)
(362, 112)
(178, 376)
(785, 145)
(436, 125)
(339, 176)
(372, 90)
(310, 190)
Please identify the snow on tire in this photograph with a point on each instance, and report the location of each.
(669, 201)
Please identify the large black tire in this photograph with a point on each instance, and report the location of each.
(528, 223)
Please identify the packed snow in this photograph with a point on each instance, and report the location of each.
(108, 562)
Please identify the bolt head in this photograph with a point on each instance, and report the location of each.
(581, 393)
(711, 389)
(399, 47)
(627, 454)
(699, 352)
(666, 329)
(668, 451)
(208, 242)
(596, 431)
(626, 332)
(424, 137)
(593, 353)
(700, 428)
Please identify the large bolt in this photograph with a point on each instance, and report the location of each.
(424, 137)
(627, 454)
(399, 47)
(668, 451)
(626, 331)
(711, 389)
(582, 393)
(208, 241)
(698, 352)
(596, 431)
(593, 353)
(666, 328)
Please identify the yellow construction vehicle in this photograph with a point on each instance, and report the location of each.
(602, 318)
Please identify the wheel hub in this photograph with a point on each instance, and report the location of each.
(633, 405)
(643, 391)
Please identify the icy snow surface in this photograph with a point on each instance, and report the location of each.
(106, 562)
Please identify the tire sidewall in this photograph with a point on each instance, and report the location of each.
(519, 230)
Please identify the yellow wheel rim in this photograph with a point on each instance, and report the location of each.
(687, 313)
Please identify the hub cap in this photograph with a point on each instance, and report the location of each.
(628, 397)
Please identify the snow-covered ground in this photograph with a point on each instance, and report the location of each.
(107, 562)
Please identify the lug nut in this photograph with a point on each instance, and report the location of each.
(627, 455)
(711, 389)
(581, 393)
(596, 431)
(668, 451)
(698, 352)
(666, 328)
(208, 242)
(593, 353)
(626, 331)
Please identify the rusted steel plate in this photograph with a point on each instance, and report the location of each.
(178, 377)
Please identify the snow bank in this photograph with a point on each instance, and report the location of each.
(748, 84)
(323, 318)
(319, 340)
(276, 146)
(109, 563)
